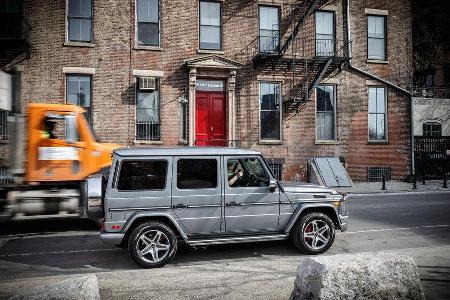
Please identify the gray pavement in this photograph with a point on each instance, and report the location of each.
(414, 224)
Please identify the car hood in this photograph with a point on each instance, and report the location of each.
(301, 187)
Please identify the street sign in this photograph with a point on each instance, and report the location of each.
(5, 91)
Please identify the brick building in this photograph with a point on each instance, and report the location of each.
(270, 75)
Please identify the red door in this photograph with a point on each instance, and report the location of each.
(210, 118)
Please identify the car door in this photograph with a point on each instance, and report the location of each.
(197, 193)
(250, 206)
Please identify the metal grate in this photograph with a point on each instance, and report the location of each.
(277, 170)
(375, 174)
(4, 125)
(148, 131)
(5, 176)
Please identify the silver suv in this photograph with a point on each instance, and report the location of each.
(156, 197)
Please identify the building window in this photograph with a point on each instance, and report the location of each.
(376, 37)
(79, 92)
(184, 117)
(142, 175)
(196, 173)
(377, 114)
(326, 113)
(210, 25)
(270, 110)
(148, 125)
(269, 29)
(148, 22)
(79, 21)
(432, 129)
(324, 33)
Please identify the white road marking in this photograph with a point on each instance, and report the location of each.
(60, 252)
(393, 229)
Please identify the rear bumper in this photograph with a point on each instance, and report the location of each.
(111, 238)
(343, 222)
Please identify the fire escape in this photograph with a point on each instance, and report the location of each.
(13, 30)
(306, 59)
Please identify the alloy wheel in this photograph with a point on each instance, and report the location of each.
(153, 246)
(317, 234)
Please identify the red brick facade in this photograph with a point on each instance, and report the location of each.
(114, 55)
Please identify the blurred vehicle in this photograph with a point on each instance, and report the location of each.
(52, 152)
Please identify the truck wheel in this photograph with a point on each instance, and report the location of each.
(152, 244)
(313, 233)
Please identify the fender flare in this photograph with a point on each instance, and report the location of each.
(149, 214)
(301, 208)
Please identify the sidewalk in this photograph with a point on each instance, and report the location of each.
(394, 187)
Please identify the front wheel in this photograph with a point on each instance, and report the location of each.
(152, 244)
(314, 233)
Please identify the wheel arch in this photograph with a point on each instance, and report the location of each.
(139, 218)
(326, 209)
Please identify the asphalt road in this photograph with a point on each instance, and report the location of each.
(414, 224)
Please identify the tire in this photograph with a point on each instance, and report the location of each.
(305, 227)
(144, 243)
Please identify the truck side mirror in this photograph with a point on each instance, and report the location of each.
(273, 185)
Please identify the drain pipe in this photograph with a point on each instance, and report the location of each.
(386, 82)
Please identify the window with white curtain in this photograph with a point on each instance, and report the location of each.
(324, 33)
(210, 25)
(326, 113)
(376, 37)
(377, 114)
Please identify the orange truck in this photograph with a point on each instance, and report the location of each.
(53, 151)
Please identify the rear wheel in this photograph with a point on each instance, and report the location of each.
(152, 244)
(314, 233)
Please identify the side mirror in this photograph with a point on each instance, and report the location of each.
(273, 185)
(95, 192)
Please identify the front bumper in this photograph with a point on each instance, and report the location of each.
(343, 222)
(111, 238)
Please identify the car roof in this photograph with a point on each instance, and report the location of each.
(181, 151)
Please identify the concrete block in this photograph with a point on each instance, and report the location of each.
(358, 276)
(74, 288)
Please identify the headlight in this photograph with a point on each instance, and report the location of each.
(342, 209)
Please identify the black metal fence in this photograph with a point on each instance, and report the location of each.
(432, 156)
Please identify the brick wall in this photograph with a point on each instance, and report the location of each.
(114, 56)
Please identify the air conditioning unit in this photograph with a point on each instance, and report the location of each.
(147, 83)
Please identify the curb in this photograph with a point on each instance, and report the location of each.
(407, 192)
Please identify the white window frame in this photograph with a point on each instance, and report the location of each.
(386, 122)
(267, 141)
(136, 38)
(67, 26)
(335, 113)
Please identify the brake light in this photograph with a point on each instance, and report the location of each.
(115, 227)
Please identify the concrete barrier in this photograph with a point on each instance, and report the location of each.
(74, 288)
(358, 276)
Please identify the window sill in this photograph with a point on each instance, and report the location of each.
(378, 142)
(142, 142)
(262, 142)
(376, 61)
(78, 44)
(148, 48)
(327, 143)
(204, 51)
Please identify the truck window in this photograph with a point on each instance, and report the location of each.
(196, 173)
(60, 127)
(142, 175)
(246, 172)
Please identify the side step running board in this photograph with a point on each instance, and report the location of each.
(239, 239)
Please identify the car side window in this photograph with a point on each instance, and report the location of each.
(142, 175)
(246, 172)
(196, 173)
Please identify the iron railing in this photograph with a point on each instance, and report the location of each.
(432, 156)
(148, 131)
(431, 92)
(4, 136)
(5, 175)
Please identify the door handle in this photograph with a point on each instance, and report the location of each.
(180, 206)
(232, 203)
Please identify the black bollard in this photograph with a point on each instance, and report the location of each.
(423, 178)
(445, 182)
(383, 188)
(414, 182)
